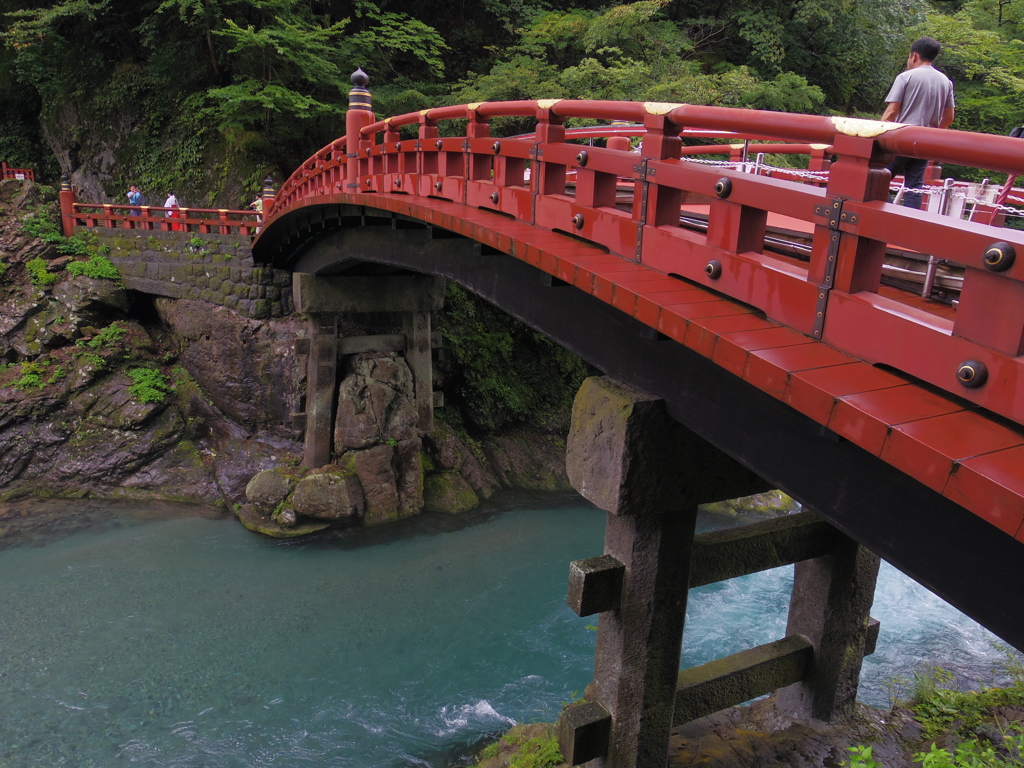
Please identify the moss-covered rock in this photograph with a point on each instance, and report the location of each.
(268, 489)
(330, 495)
(448, 492)
(768, 504)
(534, 745)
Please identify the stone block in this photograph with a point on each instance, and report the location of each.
(235, 274)
(628, 456)
(260, 309)
(205, 294)
(254, 291)
(276, 310)
(231, 301)
(584, 730)
(595, 585)
(274, 293)
(224, 273)
(216, 297)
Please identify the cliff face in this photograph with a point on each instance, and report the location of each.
(108, 392)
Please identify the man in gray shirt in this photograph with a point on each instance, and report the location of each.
(920, 95)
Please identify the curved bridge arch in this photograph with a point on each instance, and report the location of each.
(673, 333)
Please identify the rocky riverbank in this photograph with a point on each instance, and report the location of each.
(111, 393)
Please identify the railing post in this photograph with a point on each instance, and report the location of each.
(847, 262)
(267, 194)
(621, 143)
(67, 205)
(550, 177)
(661, 142)
(359, 115)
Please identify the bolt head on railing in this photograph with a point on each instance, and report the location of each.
(398, 146)
(972, 373)
(398, 182)
(439, 144)
(723, 187)
(577, 221)
(496, 146)
(999, 256)
(437, 185)
(494, 197)
(713, 269)
(582, 158)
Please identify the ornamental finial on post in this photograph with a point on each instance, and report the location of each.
(359, 97)
(359, 115)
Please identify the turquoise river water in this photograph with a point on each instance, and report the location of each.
(176, 640)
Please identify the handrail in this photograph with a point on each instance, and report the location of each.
(835, 297)
(20, 174)
(157, 218)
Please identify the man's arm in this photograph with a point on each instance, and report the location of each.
(892, 109)
(947, 117)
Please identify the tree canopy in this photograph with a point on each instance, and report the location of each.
(267, 79)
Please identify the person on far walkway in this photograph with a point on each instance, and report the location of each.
(135, 198)
(920, 95)
(257, 205)
(172, 203)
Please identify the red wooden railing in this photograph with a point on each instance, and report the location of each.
(21, 174)
(835, 297)
(155, 218)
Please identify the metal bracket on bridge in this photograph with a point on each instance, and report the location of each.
(834, 216)
(641, 169)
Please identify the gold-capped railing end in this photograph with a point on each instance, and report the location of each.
(659, 107)
(865, 129)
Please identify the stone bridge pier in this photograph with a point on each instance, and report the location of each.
(627, 456)
(324, 299)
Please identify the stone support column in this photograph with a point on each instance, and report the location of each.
(323, 299)
(321, 383)
(416, 327)
(830, 607)
(627, 456)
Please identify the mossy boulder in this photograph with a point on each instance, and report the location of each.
(528, 460)
(448, 492)
(330, 495)
(268, 489)
(768, 504)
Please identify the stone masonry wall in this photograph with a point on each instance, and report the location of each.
(208, 267)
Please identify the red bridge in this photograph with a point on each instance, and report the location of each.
(750, 300)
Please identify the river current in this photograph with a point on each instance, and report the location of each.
(156, 639)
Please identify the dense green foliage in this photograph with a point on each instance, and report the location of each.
(958, 716)
(96, 267)
(148, 385)
(192, 91)
(496, 372)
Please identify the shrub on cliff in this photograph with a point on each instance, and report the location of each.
(496, 372)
